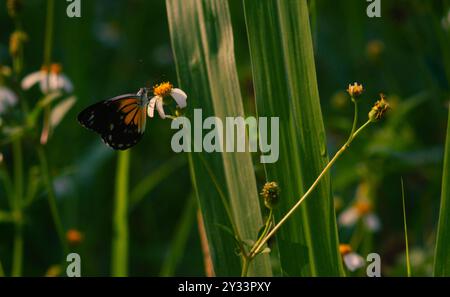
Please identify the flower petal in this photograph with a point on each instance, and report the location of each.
(54, 82)
(179, 96)
(372, 222)
(159, 107)
(31, 79)
(348, 217)
(44, 83)
(60, 110)
(7, 98)
(151, 106)
(66, 83)
(8, 95)
(353, 261)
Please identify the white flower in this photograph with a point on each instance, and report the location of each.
(352, 260)
(50, 79)
(7, 98)
(360, 210)
(161, 91)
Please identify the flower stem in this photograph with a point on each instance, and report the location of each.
(48, 43)
(51, 197)
(17, 206)
(355, 117)
(257, 249)
(245, 266)
(266, 229)
(49, 32)
(120, 238)
(248, 258)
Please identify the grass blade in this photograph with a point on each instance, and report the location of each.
(202, 43)
(442, 255)
(408, 263)
(285, 86)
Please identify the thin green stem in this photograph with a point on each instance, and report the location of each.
(17, 250)
(248, 258)
(361, 128)
(51, 197)
(49, 32)
(357, 236)
(120, 224)
(48, 44)
(245, 265)
(266, 229)
(355, 117)
(308, 192)
(17, 208)
(408, 263)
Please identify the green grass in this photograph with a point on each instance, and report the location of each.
(442, 255)
(285, 83)
(405, 227)
(203, 46)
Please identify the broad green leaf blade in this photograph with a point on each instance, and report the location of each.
(442, 255)
(202, 40)
(285, 86)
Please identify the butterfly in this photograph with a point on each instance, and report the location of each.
(120, 121)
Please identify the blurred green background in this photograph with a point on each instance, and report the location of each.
(117, 47)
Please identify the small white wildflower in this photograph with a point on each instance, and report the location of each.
(352, 260)
(50, 79)
(161, 91)
(360, 210)
(7, 98)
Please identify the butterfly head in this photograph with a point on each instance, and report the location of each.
(144, 92)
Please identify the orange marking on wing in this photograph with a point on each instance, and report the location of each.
(127, 101)
(130, 116)
(136, 117)
(128, 108)
(142, 118)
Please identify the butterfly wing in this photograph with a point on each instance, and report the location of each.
(120, 121)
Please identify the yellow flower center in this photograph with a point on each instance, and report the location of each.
(344, 249)
(363, 207)
(355, 90)
(74, 236)
(162, 89)
(54, 68)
